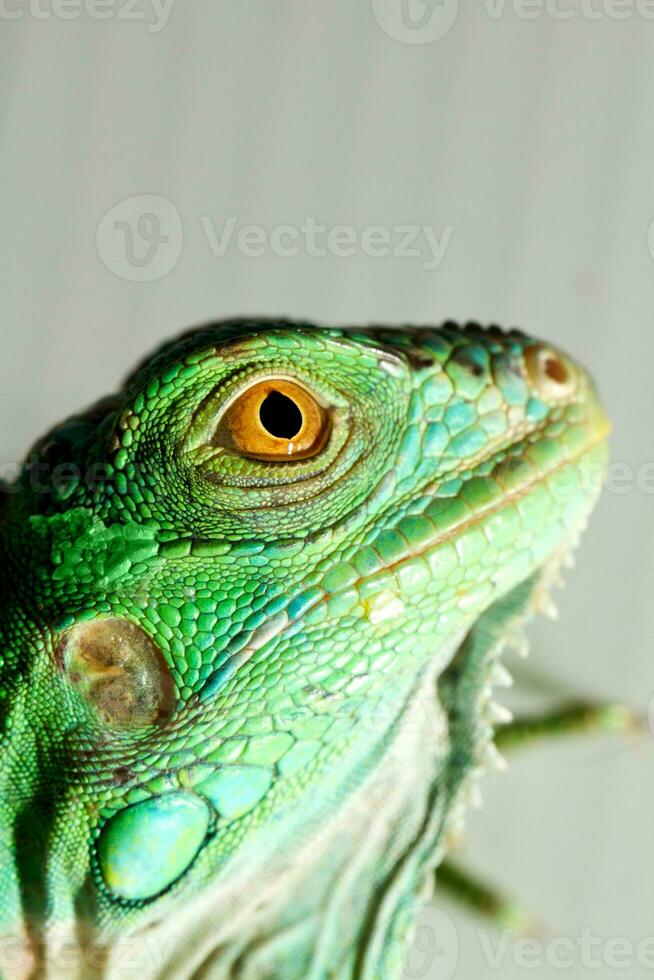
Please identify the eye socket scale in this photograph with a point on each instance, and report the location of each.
(277, 420)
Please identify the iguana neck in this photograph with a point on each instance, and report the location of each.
(338, 902)
(304, 913)
(337, 898)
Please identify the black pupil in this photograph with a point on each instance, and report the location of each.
(280, 416)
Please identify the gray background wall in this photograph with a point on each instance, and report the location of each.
(527, 145)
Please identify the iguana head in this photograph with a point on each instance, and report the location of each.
(222, 586)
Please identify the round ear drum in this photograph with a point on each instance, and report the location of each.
(119, 672)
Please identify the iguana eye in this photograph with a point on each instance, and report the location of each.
(275, 420)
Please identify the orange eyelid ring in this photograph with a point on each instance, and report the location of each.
(276, 420)
(551, 373)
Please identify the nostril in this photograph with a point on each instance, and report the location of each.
(555, 369)
(550, 372)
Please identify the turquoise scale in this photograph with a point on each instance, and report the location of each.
(145, 848)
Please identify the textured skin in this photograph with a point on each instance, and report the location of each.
(322, 635)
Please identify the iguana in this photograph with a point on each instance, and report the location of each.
(251, 613)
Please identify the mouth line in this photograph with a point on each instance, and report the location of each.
(245, 645)
(509, 497)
